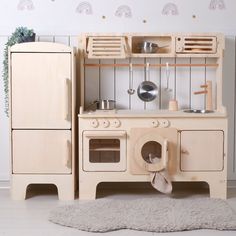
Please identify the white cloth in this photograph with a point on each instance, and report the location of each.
(160, 179)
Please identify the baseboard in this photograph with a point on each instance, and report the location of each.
(4, 184)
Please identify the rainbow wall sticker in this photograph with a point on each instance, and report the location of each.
(25, 5)
(214, 4)
(123, 11)
(84, 8)
(170, 9)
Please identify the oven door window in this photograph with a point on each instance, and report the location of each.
(104, 150)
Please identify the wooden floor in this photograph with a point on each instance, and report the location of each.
(30, 217)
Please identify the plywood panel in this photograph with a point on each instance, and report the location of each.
(155, 78)
(229, 101)
(73, 41)
(91, 84)
(46, 38)
(121, 86)
(41, 90)
(211, 76)
(202, 150)
(197, 79)
(4, 122)
(62, 39)
(106, 86)
(183, 89)
(41, 151)
(139, 77)
(167, 94)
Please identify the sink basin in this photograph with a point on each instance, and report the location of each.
(198, 111)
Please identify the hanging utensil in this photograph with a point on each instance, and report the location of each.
(131, 89)
(167, 77)
(147, 90)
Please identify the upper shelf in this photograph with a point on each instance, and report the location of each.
(101, 46)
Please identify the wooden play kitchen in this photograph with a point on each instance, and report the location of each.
(151, 111)
(185, 133)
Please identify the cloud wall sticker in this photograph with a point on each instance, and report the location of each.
(25, 5)
(123, 10)
(170, 9)
(84, 7)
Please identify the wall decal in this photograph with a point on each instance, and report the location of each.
(220, 4)
(84, 7)
(25, 4)
(123, 10)
(170, 9)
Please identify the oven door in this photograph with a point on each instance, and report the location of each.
(153, 149)
(104, 150)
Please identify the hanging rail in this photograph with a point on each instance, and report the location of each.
(151, 65)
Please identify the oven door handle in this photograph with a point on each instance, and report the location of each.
(105, 134)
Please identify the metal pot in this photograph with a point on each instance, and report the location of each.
(103, 104)
(147, 90)
(149, 47)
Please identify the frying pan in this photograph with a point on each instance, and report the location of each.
(147, 90)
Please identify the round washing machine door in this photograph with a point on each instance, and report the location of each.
(151, 153)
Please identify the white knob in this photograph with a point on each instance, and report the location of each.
(154, 123)
(116, 123)
(164, 123)
(105, 123)
(94, 123)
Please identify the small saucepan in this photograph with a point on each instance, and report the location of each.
(103, 104)
(149, 47)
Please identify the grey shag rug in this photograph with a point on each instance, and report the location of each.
(148, 214)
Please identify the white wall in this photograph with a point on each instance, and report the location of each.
(61, 17)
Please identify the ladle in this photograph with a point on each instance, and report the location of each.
(131, 89)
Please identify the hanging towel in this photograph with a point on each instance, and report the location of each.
(160, 179)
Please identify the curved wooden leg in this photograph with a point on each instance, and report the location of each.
(87, 190)
(18, 190)
(218, 189)
(65, 192)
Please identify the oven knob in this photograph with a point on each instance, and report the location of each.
(154, 123)
(105, 123)
(164, 123)
(94, 123)
(116, 123)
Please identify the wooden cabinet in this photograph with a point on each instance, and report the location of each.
(202, 150)
(41, 151)
(41, 90)
(42, 86)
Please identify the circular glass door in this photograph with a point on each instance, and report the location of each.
(151, 152)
